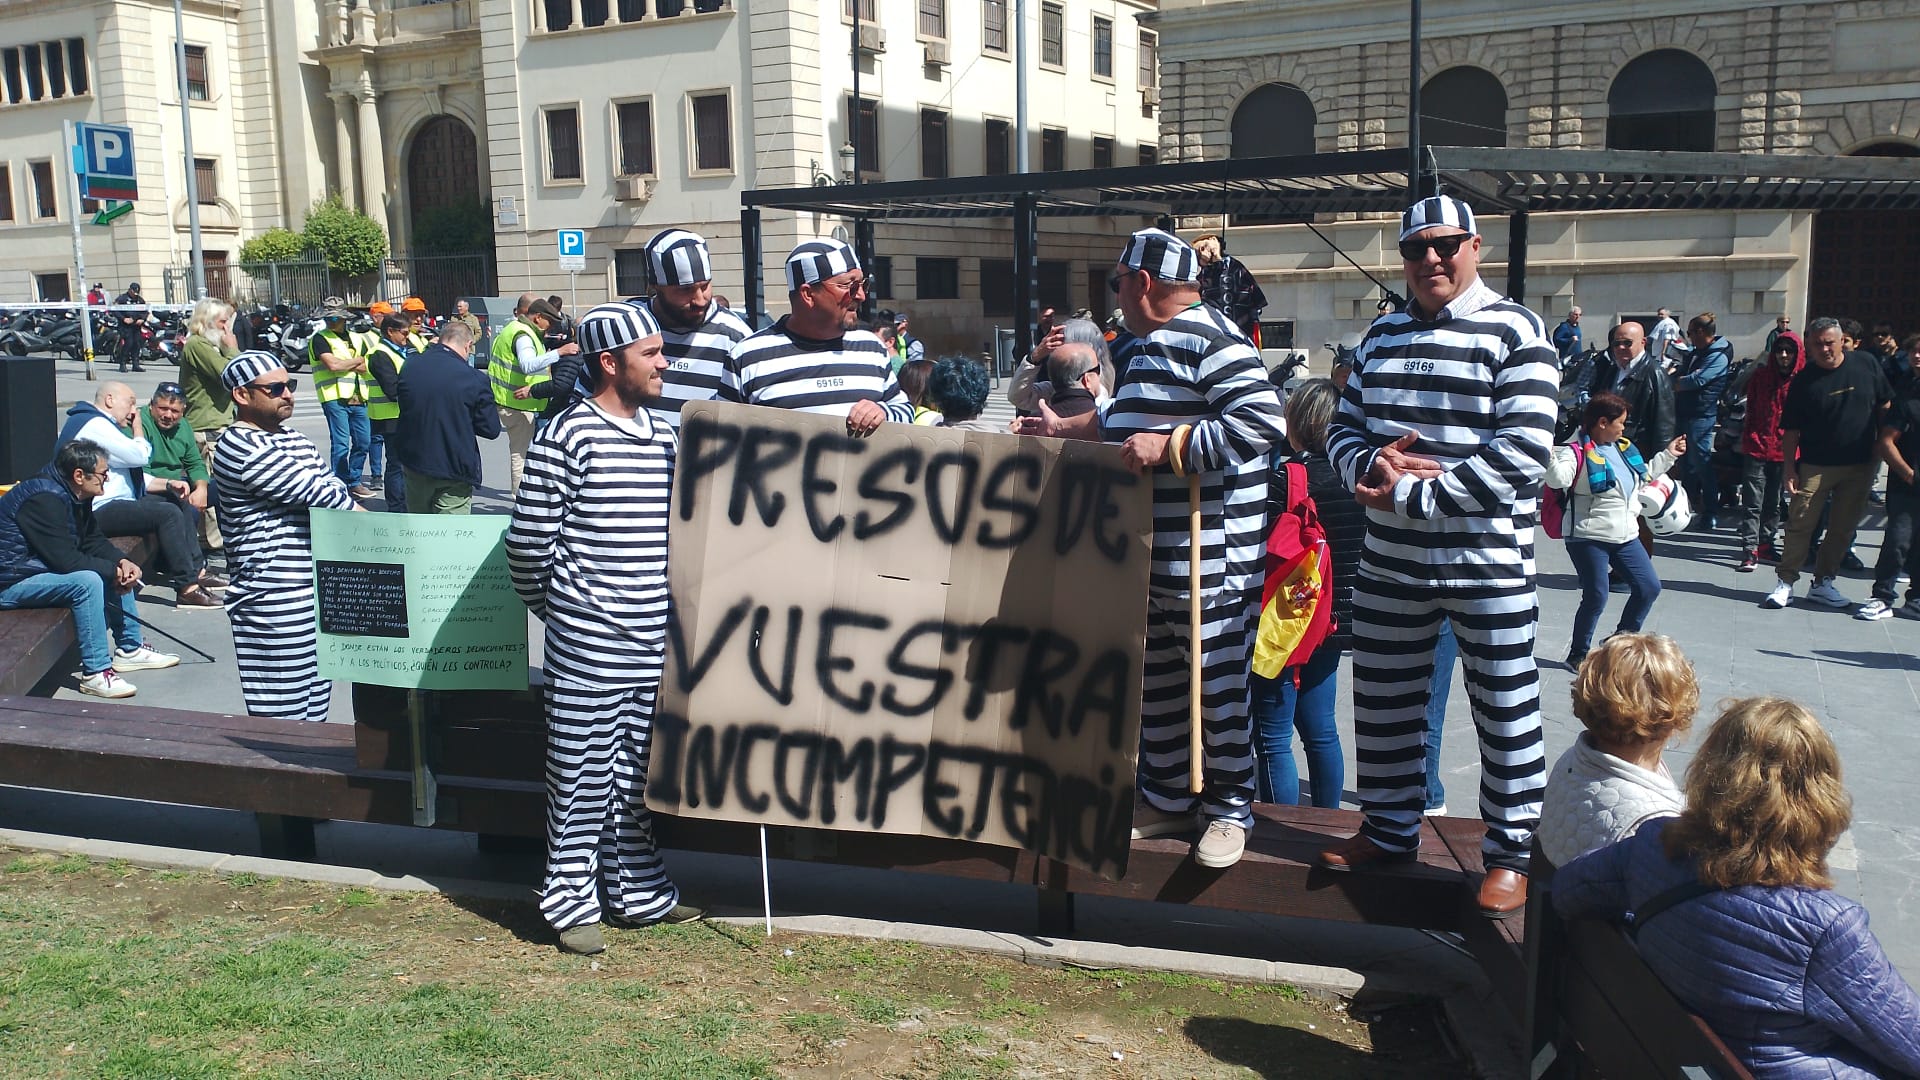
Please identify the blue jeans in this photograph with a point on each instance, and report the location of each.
(1590, 560)
(1446, 652)
(350, 437)
(377, 452)
(85, 593)
(396, 485)
(1698, 466)
(1279, 709)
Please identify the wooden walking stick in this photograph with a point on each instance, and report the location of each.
(1195, 780)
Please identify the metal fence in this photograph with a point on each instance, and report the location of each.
(437, 279)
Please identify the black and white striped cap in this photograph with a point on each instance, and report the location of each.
(817, 260)
(678, 257)
(610, 327)
(247, 367)
(1435, 212)
(1161, 254)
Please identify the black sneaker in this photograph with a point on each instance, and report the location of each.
(1852, 562)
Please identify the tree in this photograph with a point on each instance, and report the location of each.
(352, 242)
(457, 229)
(274, 245)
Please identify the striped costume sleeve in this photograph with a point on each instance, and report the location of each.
(276, 476)
(894, 401)
(1347, 445)
(1510, 466)
(1246, 425)
(538, 511)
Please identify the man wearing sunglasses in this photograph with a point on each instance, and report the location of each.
(816, 359)
(1444, 432)
(267, 477)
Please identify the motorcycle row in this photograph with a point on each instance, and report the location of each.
(282, 329)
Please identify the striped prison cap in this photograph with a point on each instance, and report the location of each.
(678, 257)
(247, 367)
(613, 326)
(1434, 212)
(1161, 254)
(817, 260)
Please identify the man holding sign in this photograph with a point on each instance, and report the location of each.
(1193, 400)
(588, 551)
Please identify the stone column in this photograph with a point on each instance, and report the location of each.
(343, 155)
(373, 156)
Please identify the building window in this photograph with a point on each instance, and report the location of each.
(867, 13)
(77, 65)
(44, 206)
(204, 182)
(864, 122)
(1149, 73)
(43, 71)
(880, 277)
(563, 144)
(999, 148)
(197, 73)
(933, 144)
(1276, 334)
(1149, 154)
(993, 26)
(1053, 36)
(630, 271)
(1102, 152)
(6, 192)
(1275, 120)
(939, 279)
(53, 288)
(1053, 149)
(996, 286)
(1102, 47)
(1463, 106)
(633, 136)
(1662, 100)
(933, 19)
(712, 132)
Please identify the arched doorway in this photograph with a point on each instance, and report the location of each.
(449, 226)
(1866, 263)
(1275, 120)
(1463, 106)
(1662, 100)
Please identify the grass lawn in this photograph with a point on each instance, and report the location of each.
(112, 970)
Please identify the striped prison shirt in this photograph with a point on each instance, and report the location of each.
(266, 481)
(697, 361)
(779, 368)
(588, 544)
(1199, 369)
(1478, 384)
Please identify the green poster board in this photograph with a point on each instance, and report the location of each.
(419, 601)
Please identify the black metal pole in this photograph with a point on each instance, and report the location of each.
(1026, 301)
(1517, 256)
(750, 263)
(1415, 189)
(863, 247)
(854, 113)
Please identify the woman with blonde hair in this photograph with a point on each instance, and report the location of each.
(1733, 907)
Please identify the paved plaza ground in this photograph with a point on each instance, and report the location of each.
(1862, 679)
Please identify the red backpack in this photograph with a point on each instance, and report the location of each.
(1296, 605)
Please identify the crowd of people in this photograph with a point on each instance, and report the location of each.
(1422, 470)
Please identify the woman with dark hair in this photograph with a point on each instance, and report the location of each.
(1600, 472)
(1735, 909)
(913, 383)
(957, 387)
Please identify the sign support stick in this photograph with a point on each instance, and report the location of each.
(79, 254)
(766, 885)
(426, 794)
(573, 292)
(1196, 779)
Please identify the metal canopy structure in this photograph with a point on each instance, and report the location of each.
(1494, 180)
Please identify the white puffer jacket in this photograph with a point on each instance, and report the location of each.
(1610, 517)
(1594, 799)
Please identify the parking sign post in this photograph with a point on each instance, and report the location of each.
(75, 164)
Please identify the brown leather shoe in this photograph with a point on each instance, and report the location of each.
(1503, 892)
(1358, 853)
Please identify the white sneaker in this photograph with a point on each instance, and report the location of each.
(106, 684)
(1824, 592)
(1780, 597)
(142, 659)
(1436, 811)
(1221, 845)
(1874, 610)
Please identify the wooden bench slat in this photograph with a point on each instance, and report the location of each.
(175, 723)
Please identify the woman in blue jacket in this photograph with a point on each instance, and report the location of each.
(1755, 940)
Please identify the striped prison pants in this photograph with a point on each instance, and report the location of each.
(276, 647)
(599, 833)
(1394, 628)
(1226, 739)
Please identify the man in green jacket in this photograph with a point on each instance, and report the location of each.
(209, 408)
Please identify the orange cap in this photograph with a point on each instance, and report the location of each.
(413, 303)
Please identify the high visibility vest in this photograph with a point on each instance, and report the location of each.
(418, 341)
(503, 368)
(335, 385)
(379, 405)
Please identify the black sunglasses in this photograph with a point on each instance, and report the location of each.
(171, 388)
(1444, 246)
(1113, 281)
(275, 389)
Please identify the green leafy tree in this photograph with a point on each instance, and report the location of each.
(274, 245)
(352, 242)
(458, 229)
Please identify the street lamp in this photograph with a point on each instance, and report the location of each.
(847, 155)
(822, 178)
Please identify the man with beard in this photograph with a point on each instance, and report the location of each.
(816, 359)
(697, 334)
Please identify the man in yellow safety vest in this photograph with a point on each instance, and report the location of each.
(387, 353)
(338, 373)
(516, 365)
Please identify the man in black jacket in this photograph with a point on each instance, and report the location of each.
(53, 554)
(1644, 385)
(446, 407)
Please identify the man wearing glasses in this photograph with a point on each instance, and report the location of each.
(816, 359)
(267, 476)
(53, 554)
(1444, 432)
(1644, 386)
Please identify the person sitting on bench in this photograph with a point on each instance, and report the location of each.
(1733, 909)
(53, 554)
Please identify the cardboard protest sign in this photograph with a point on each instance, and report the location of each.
(924, 631)
(420, 601)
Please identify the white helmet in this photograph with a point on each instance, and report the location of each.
(1663, 502)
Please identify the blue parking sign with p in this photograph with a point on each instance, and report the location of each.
(573, 242)
(106, 161)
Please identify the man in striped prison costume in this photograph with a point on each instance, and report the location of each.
(1192, 397)
(267, 477)
(698, 334)
(588, 553)
(1444, 433)
(815, 359)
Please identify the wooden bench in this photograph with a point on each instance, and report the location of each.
(1596, 1008)
(33, 640)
